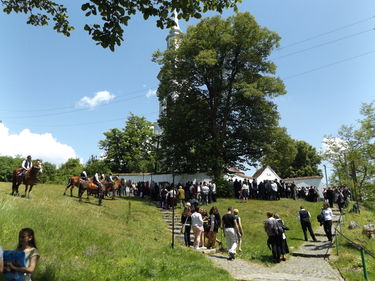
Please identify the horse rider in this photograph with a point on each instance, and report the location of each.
(26, 165)
(109, 178)
(84, 175)
(97, 181)
(102, 177)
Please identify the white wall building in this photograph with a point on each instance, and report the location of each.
(265, 173)
(316, 181)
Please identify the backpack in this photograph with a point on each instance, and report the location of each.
(320, 219)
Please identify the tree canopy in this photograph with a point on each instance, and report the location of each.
(352, 154)
(289, 157)
(217, 86)
(110, 16)
(130, 149)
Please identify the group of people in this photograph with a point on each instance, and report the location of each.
(205, 226)
(269, 190)
(27, 246)
(337, 194)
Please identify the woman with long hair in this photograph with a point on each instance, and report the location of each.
(27, 244)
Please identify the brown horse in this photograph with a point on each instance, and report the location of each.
(28, 179)
(90, 188)
(72, 182)
(113, 187)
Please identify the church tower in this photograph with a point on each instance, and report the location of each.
(172, 41)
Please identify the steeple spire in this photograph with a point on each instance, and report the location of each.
(175, 30)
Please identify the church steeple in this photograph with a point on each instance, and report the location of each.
(175, 30)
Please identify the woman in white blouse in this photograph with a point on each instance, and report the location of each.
(197, 225)
(327, 215)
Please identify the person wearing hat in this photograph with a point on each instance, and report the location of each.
(181, 196)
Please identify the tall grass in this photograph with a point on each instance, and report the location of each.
(349, 259)
(82, 241)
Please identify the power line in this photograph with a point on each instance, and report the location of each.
(73, 110)
(323, 44)
(325, 33)
(70, 106)
(328, 65)
(87, 123)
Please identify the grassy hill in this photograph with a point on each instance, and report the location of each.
(81, 241)
(127, 239)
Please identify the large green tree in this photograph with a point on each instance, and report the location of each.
(291, 158)
(217, 85)
(131, 149)
(352, 154)
(111, 16)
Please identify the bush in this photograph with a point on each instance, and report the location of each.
(224, 188)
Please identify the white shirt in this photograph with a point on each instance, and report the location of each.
(26, 164)
(245, 186)
(196, 219)
(205, 189)
(327, 214)
(274, 186)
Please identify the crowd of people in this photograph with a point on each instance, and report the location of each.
(273, 190)
(205, 226)
(337, 194)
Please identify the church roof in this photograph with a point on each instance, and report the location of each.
(304, 178)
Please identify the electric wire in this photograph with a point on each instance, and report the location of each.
(118, 98)
(325, 43)
(74, 110)
(325, 33)
(329, 65)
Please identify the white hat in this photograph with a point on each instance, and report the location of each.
(188, 204)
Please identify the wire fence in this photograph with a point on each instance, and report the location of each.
(363, 251)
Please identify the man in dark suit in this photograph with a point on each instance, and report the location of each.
(304, 218)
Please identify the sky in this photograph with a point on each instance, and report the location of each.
(58, 95)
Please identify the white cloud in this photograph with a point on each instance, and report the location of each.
(151, 93)
(39, 146)
(99, 98)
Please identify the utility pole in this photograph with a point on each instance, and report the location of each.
(325, 172)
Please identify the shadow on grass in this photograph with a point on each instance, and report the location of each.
(48, 274)
(298, 239)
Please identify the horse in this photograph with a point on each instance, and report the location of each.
(90, 188)
(72, 182)
(28, 179)
(113, 187)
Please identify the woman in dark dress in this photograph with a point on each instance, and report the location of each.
(284, 244)
(214, 222)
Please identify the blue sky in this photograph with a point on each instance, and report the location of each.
(44, 75)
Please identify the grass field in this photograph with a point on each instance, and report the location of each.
(82, 241)
(349, 259)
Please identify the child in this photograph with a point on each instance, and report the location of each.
(27, 244)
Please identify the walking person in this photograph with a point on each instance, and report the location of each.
(327, 224)
(231, 232)
(197, 225)
(304, 218)
(186, 221)
(240, 229)
(27, 244)
(284, 249)
(214, 222)
(274, 233)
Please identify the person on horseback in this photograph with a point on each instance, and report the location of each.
(84, 175)
(97, 181)
(109, 178)
(102, 177)
(26, 165)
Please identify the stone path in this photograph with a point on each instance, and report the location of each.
(306, 264)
